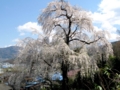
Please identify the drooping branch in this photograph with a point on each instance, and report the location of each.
(73, 33)
(47, 63)
(85, 41)
(61, 15)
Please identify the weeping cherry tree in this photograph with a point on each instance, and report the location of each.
(70, 43)
(74, 26)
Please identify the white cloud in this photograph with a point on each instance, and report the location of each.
(97, 29)
(31, 27)
(109, 5)
(114, 36)
(108, 16)
(16, 40)
(22, 34)
(8, 46)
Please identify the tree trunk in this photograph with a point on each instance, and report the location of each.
(31, 66)
(67, 40)
(64, 70)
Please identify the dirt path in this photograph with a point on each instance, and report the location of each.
(4, 87)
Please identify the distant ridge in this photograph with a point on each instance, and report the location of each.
(8, 53)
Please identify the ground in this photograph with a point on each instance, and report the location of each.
(4, 87)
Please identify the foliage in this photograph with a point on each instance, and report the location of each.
(108, 78)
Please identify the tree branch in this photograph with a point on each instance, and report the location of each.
(63, 9)
(47, 63)
(61, 15)
(54, 9)
(74, 31)
(69, 18)
(61, 27)
(66, 12)
(85, 41)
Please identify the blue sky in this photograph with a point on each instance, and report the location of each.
(18, 15)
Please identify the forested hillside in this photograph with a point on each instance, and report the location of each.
(116, 48)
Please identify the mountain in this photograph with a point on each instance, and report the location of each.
(116, 48)
(8, 53)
